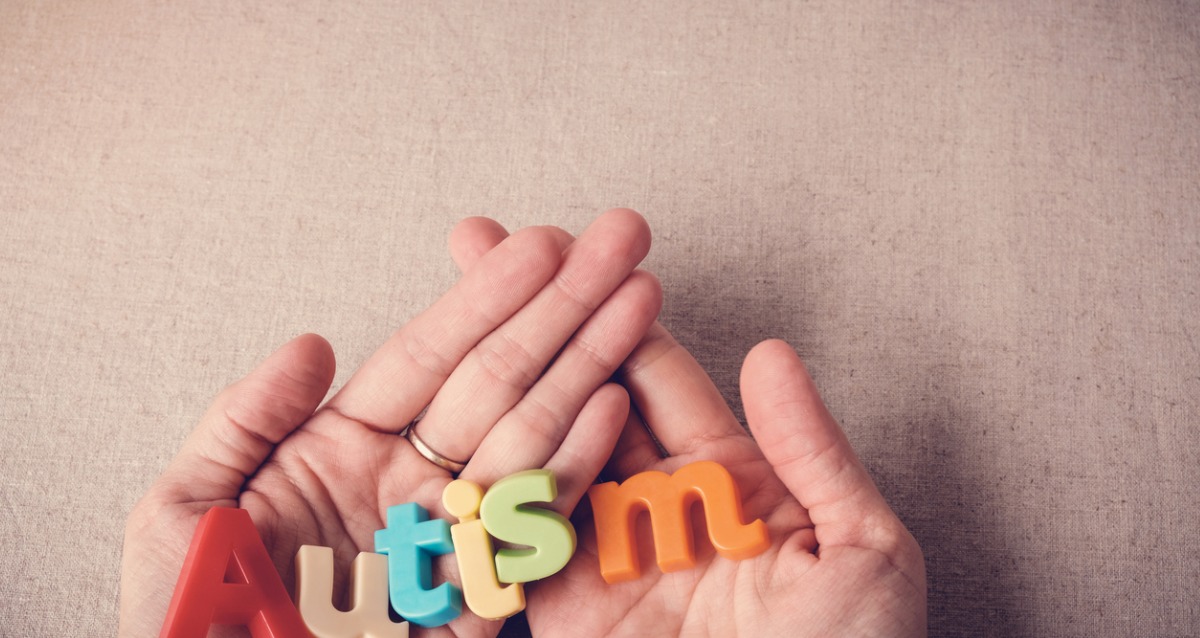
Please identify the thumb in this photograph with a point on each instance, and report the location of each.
(248, 419)
(808, 450)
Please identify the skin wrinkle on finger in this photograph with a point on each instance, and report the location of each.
(431, 360)
(518, 333)
(435, 351)
(815, 459)
(333, 410)
(789, 461)
(576, 460)
(603, 341)
(595, 338)
(678, 402)
(656, 344)
(507, 361)
(233, 435)
(539, 422)
(274, 397)
(389, 389)
(575, 293)
(217, 448)
(553, 404)
(701, 443)
(840, 519)
(542, 430)
(796, 451)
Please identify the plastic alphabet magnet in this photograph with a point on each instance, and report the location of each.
(228, 577)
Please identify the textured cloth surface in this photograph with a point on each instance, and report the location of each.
(978, 222)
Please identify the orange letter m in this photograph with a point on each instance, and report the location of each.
(668, 500)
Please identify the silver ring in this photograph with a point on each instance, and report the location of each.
(453, 467)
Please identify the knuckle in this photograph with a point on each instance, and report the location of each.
(541, 422)
(424, 354)
(575, 292)
(655, 345)
(509, 362)
(596, 355)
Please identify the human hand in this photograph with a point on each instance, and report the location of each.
(513, 364)
(840, 561)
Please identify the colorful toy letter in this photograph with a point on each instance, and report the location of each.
(473, 549)
(669, 499)
(228, 579)
(368, 618)
(409, 540)
(505, 515)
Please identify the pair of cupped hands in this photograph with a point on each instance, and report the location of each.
(514, 367)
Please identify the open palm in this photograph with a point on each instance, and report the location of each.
(840, 561)
(510, 368)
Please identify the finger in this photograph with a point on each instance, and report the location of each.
(529, 434)
(669, 387)
(248, 419)
(588, 445)
(475, 236)
(676, 398)
(401, 378)
(472, 238)
(808, 450)
(506, 363)
(634, 452)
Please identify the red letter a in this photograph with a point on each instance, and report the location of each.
(229, 579)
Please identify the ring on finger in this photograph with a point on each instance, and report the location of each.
(453, 467)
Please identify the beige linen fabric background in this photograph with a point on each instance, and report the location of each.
(979, 222)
